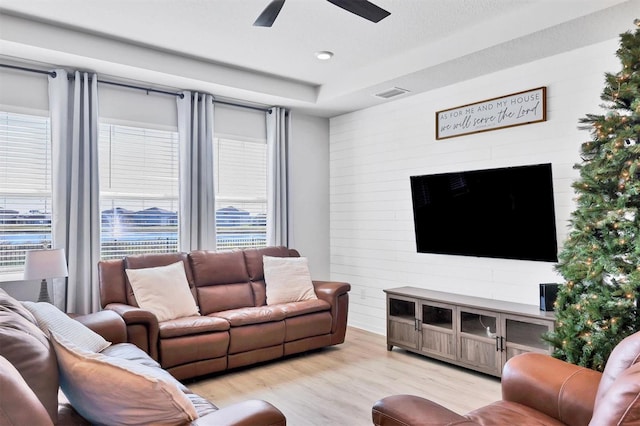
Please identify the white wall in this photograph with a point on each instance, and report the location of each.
(309, 191)
(373, 153)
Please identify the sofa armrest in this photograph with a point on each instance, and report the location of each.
(108, 324)
(142, 327)
(561, 390)
(337, 295)
(246, 413)
(402, 410)
(328, 290)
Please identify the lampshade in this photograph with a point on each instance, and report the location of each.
(41, 264)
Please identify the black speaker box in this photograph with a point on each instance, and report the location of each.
(548, 293)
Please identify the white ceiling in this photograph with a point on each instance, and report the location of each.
(211, 45)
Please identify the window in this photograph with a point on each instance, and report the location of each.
(138, 190)
(25, 188)
(241, 193)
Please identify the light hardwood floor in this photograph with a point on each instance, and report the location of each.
(338, 385)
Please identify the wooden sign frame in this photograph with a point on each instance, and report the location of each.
(515, 109)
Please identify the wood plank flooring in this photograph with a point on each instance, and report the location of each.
(338, 385)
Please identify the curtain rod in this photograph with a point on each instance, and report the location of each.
(146, 89)
(51, 73)
(243, 106)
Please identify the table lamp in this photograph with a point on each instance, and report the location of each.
(43, 264)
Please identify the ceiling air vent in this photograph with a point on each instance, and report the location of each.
(391, 93)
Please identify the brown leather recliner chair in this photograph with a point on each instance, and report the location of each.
(539, 390)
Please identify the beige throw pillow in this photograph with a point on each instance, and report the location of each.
(51, 318)
(164, 291)
(287, 279)
(110, 390)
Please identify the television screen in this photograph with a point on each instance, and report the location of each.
(501, 213)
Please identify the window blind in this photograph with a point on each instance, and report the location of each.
(25, 188)
(241, 193)
(138, 190)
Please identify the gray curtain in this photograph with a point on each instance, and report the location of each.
(73, 102)
(278, 217)
(197, 192)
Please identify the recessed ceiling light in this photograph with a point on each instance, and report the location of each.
(324, 55)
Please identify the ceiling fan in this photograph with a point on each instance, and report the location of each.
(362, 8)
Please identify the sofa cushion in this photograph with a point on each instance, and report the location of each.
(621, 403)
(221, 280)
(253, 259)
(130, 352)
(11, 306)
(67, 415)
(152, 260)
(51, 318)
(287, 279)
(255, 267)
(511, 413)
(294, 309)
(624, 355)
(203, 406)
(25, 346)
(211, 268)
(192, 325)
(164, 291)
(254, 315)
(118, 391)
(19, 406)
(216, 298)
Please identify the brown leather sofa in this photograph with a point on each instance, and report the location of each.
(540, 390)
(29, 378)
(236, 327)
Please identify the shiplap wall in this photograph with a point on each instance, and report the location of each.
(373, 152)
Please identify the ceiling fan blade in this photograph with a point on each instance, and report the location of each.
(362, 8)
(269, 14)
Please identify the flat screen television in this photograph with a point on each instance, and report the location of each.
(500, 213)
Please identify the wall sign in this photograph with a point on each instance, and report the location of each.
(516, 109)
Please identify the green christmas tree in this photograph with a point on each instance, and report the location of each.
(600, 261)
